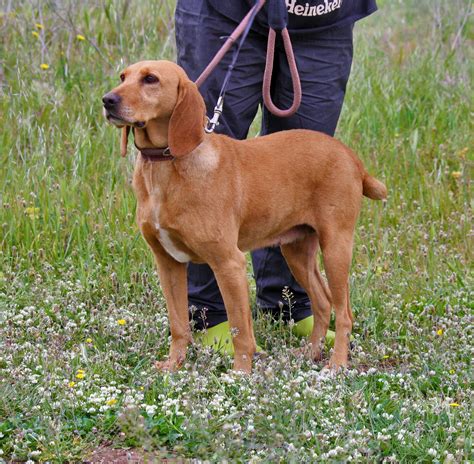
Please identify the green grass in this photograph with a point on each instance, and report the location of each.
(73, 262)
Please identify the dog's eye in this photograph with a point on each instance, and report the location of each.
(122, 77)
(150, 79)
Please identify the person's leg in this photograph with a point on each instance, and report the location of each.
(199, 35)
(324, 63)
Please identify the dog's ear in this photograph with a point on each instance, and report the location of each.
(186, 128)
(124, 140)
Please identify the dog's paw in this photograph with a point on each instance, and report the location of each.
(308, 351)
(167, 366)
(337, 363)
(243, 363)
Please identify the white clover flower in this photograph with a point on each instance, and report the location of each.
(151, 409)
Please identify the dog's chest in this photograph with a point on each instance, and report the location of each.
(171, 244)
(152, 220)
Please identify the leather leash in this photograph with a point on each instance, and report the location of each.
(277, 21)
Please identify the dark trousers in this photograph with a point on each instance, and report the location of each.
(324, 63)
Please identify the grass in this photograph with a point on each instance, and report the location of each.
(73, 264)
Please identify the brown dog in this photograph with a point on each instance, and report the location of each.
(217, 198)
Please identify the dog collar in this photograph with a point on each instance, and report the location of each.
(156, 154)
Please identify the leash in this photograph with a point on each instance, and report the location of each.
(267, 76)
(243, 29)
(277, 21)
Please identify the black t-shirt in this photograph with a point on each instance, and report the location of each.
(304, 15)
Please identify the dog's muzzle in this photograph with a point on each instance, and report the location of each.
(112, 103)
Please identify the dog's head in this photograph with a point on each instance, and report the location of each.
(158, 90)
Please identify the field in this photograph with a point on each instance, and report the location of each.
(82, 316)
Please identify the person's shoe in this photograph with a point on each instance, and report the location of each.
(304, 328)
(218, 338)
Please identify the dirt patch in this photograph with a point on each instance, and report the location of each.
(108, 455)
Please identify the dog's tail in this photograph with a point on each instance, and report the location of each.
(373, 188)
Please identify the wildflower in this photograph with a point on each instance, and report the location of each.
(452, 371)
(456, 174)
(463, 152)
(32, 212)
(386, 356)
(80, 37)
(80, 374)
(439, 332)
(454, 405)
(111, 402)
(121, 322)
(35, 34)
(44, 66)
(71, 384)
(39, 26)
(88, 340)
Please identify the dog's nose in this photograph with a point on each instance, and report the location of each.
(111, 100)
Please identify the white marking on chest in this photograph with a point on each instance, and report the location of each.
(168, 245)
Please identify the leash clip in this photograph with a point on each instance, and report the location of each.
(214, 122)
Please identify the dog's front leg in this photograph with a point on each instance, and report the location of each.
(174, 285)
(231, 277)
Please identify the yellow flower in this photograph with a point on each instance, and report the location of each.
(80, 374)
(456, 174)
(439, 332)
(39, 26)
(71, 384)
(386, 356)
(454, 405)
(463, 152)
(35, 34)
(111, 402)
(142, 388)
(44, 66)
(121, 322)
(80, 37)
(452, 371)
(88, 340)
(32, 212)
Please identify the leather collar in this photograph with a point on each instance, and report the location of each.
(156, 154)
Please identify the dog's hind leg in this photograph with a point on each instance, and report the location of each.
(301, 259)
(336, 246)
(231, 276)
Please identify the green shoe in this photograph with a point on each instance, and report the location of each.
(304, 328)
(218, 338)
